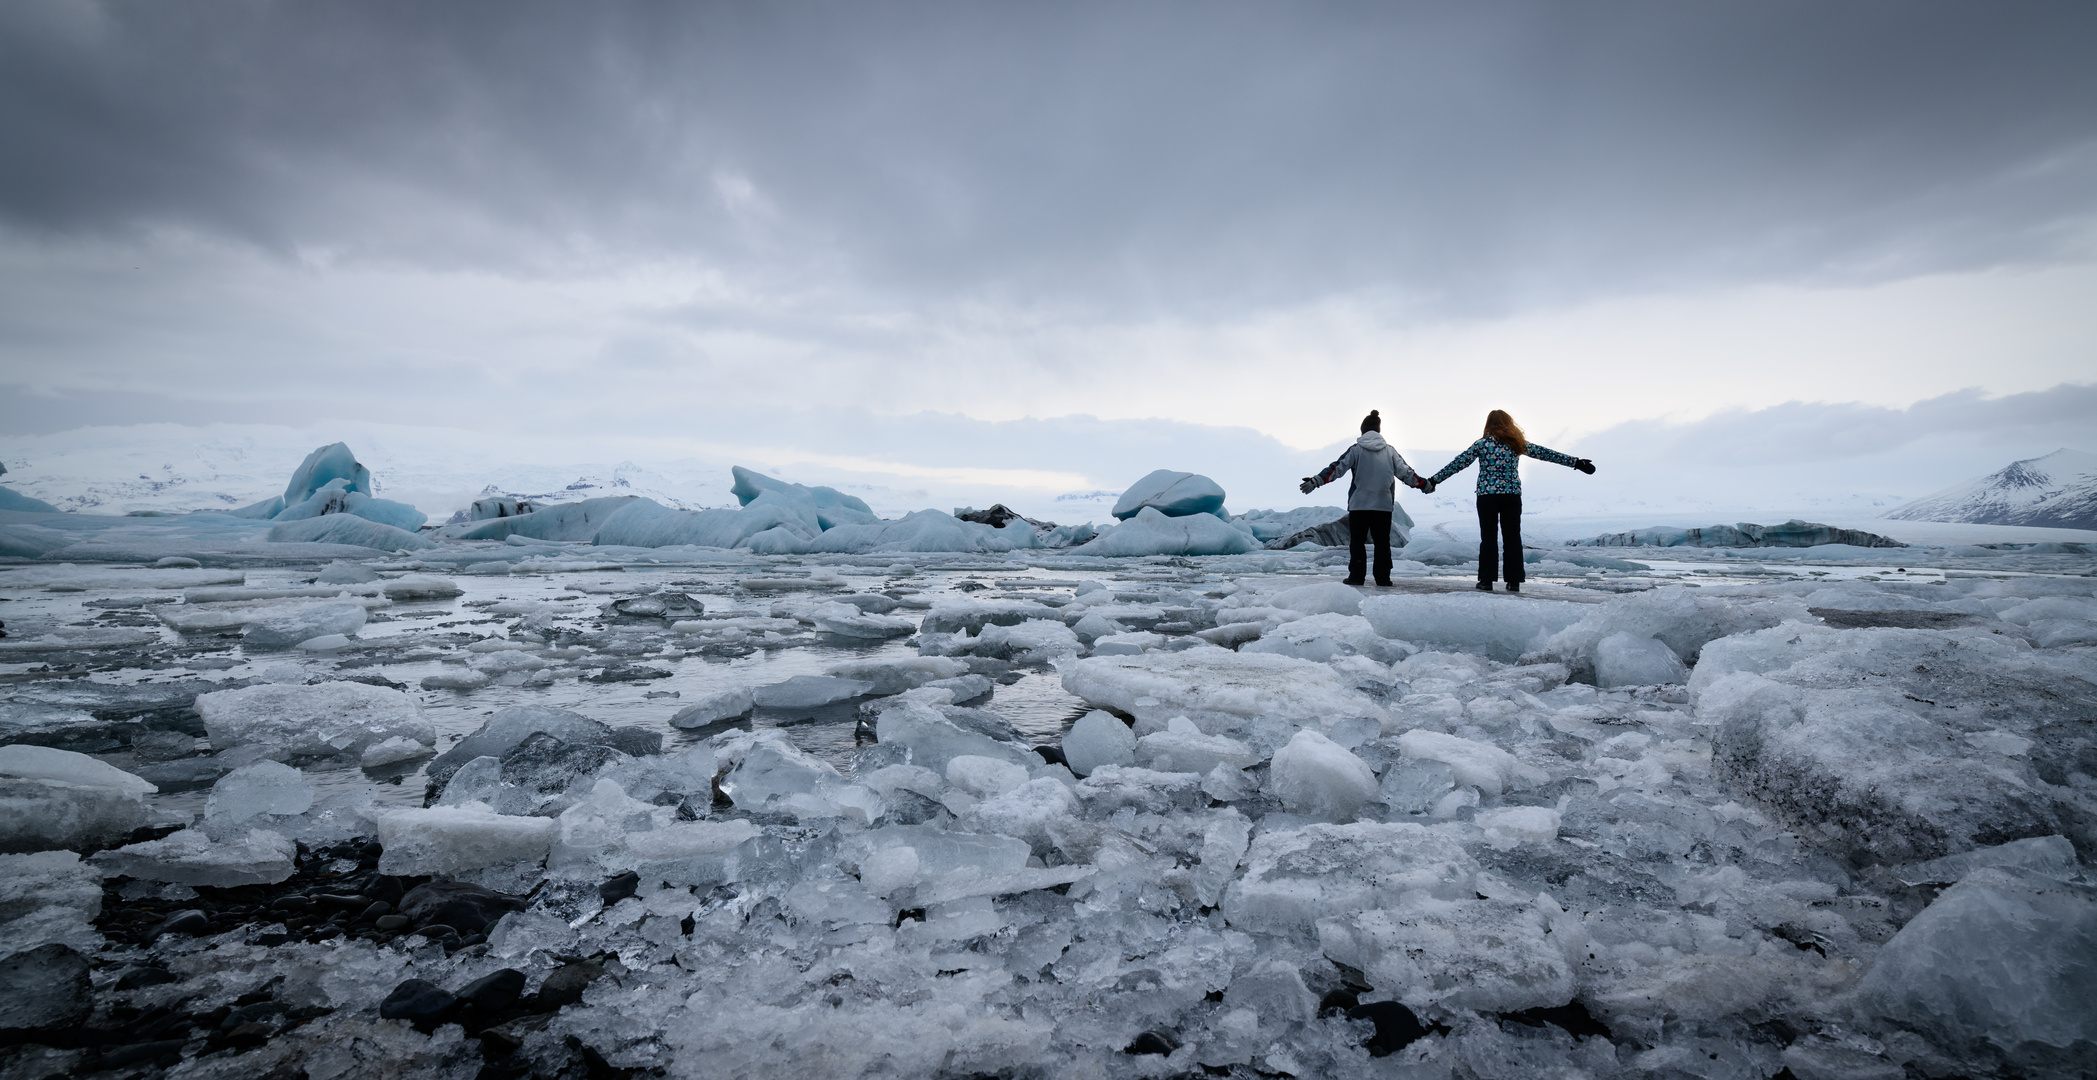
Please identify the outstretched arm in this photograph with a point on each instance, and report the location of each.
(1545, 453)
(1331, 473)
(1469, 455)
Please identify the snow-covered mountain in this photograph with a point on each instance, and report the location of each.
(2056, 491)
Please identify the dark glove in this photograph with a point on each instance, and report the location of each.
(1309, 485)
(1585, 466)
(1426, 486)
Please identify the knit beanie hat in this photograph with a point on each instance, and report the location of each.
(1372, 422)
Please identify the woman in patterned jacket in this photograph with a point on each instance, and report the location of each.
(1498, 455)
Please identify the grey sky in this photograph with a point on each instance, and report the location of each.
(1257, 215)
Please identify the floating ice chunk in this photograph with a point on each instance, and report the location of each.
(1684, 619)
(421, 587)
(192, 857)
(314, 721)
(1508, 827)
(391, 751)
(1225, 784)
(344, 572)
(502, 663)
(447, 840)
(1414, 785)
(689, 852)
(260, 790)
(1114, 787)
(457, 679)
(1130, 644)
(809, 692)
(1624, 659)
(1327, 637)
(29, 762)
(598, 826)
(933, 739)
(985, 777)
(511, 726)
(1153, 533)
(1224, 837)
(847, 620)
(2053, 856)
(53, 798)
(1488, 955)
(1481, 765)
(48, 896)
(294, 623)
(1319, 778)
(1173, 494)
(2003, 956)
(950, 616)
(1205, 685)
(775, 770)
(1326, 597)
(895, 676)
(1295, 877)
(326, 643)
(1032, 642)
(1502, 627)
(714, 708)
(1859, 735)
(889, 869)
(1024, 811)
(1098, 738)
(1181, 747)
(1092, 626)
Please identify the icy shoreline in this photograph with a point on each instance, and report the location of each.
(1642, 820)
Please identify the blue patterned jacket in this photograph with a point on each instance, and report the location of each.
(1498, 473)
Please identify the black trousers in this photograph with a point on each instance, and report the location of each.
(1501, 513)
(1364, 526)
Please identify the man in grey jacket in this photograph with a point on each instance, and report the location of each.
(1377, 469)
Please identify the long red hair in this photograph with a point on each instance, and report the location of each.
(1502, 429)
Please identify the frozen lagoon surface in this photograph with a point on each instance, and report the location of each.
(1727, 814)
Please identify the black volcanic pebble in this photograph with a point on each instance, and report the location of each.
(495, 991)
(417, 1001)
(564, 986)
(47, 986)
(145, 975)
(458, 904)
(1396, 1026)
(1154, 1042)
(189, 921)
(619, 888)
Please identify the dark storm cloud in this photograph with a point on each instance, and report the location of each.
(1129, 157)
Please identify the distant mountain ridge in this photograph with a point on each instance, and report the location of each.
(2056, 491)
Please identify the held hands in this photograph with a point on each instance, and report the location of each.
(1426, 486)
(1585, 466)
(1309, 485)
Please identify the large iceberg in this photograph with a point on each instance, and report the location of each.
(1174, 494)
(1151, 532)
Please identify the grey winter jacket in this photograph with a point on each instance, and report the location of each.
(1377, 469)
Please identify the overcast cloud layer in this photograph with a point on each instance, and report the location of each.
(806, 225)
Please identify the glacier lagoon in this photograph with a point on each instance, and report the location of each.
(522, 807)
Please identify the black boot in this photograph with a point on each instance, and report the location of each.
(1485, 586)
(1514, 586)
